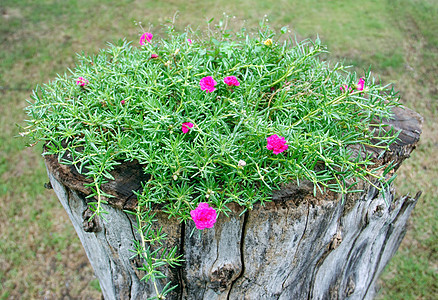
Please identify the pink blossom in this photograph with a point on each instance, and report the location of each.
(154, 56)
(344, 88)
(277, 144)
(146, 37)
(185, 127)
(207, 84)
(204, 216)
(82, 81)
(360, 85)
(189, 41)
(231, 81)
(122, 102)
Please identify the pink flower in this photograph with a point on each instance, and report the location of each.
(82, 81)
(185, 127)
(231, 81)
(207, 84)
(122, 102)
(189, 41)
(154, 56)
(360, 85)
(344, 88)
(277, 144)
(204, 216)
(147, 36)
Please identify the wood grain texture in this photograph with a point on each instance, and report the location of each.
(298, 246)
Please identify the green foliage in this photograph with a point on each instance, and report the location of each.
(95, 285)
(414, 279)
(392, 60)
(353, 30)
(134, 105)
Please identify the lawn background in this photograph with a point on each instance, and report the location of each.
(40, 255)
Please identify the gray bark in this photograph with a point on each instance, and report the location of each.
(299, 246)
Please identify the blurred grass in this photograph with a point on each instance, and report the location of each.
(40, 254)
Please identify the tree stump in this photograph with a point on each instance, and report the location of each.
(299, 246)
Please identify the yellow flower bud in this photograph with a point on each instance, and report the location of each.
(268, 42)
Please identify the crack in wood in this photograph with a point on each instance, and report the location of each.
(92, 225)
(242, 252)
(407, 203)
(304, 231)
(334, 243)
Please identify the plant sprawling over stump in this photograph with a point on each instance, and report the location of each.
(228, 118)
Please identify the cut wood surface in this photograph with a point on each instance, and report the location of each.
(298, 246)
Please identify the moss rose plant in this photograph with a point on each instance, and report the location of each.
(227, 117)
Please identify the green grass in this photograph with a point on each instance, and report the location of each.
(40, 254)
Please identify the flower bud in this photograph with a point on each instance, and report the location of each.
(268, 42)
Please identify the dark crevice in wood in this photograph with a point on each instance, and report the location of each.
(345, 267)
(308, 202)
(135, 261)
(401, 212)
(110, 264)
(129, 288)
(329, 248)
(133, 233)
(388, 233)
(90, 224)
(304, 231)
(406, 204)
(242, 252)
(132, 226)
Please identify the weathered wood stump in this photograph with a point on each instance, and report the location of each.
(299, 246)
